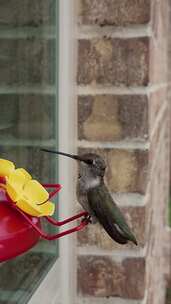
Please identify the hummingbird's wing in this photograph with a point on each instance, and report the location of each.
(109, 215)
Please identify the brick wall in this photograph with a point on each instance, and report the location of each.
(123, 115)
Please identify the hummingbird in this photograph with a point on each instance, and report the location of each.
(95, 198)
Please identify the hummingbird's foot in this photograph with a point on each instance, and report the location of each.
(87, 219)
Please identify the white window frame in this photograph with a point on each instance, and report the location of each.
(59, 285)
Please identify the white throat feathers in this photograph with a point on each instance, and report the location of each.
(92, 182)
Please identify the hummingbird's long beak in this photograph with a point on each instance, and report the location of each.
(76, 157)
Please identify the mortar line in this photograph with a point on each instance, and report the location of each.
(113, 90)
(110, 300)
(95, 31)
(116, 254)
(125, 145)
(132, 199)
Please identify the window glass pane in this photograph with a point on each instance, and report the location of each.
(28, 107)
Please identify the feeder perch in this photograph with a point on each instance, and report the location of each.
(23, 203)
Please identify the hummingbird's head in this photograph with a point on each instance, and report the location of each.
(90, 163)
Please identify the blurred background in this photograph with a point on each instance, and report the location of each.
(101, 69)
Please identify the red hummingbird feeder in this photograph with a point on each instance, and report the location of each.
(23, 203)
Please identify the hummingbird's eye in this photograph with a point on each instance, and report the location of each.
(89, 161)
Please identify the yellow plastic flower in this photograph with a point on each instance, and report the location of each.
(6, 167)
(28, 194)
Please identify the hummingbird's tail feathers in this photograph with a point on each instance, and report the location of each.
(113, 232)
(135, 241)
(126, 233)
(124, 229)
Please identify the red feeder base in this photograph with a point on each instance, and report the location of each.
(16, 234)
